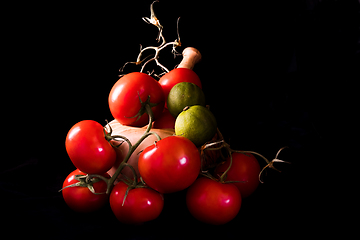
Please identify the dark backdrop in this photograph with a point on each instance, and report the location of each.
(275, 73)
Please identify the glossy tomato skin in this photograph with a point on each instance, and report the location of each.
(88, 149)
(170, 165)
(124, 100)
(244, 168)
(165, 120)
(141, 204)
(80, 199)
(213, 202)
(176, 76)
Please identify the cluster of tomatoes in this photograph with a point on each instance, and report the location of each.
(171, 164)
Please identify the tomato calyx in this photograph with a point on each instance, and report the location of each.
(143, 107)
(132, 183)
(87, 181)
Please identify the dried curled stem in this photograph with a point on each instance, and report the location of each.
(271, 164)
(155, 21)
(220, 143)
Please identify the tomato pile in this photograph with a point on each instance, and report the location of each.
(191, 155)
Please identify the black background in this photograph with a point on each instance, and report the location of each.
(275, 73)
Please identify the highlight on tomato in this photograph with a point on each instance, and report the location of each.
(88, 148)
(129, 96)
(170, 165)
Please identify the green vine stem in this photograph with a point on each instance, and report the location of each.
(132, 148)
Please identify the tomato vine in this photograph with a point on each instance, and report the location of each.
(220, 144)
(132, 148)
(177, 43)
(162, 168)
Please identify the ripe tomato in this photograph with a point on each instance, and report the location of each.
(213, 202)
(141, 204)
(124, 100)
(244, 168)
(170, 165)
(166, 120)
(176, 76)
(88, 149)
(81, 199)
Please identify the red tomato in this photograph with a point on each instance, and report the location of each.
(176, 76)
(81, 199)
(166, 120)
(124, 100)
(170, 165)
(88, 149)
(244, 168)
(213, 202)
(141, 204)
